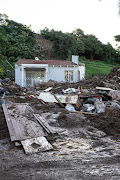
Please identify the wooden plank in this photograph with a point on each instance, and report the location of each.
(40, 119)
(87, 113)
(45, 124)
(58, 100)
(78, 104)
(19, 129)
(9, 123)
(38, 130)
(23, 128)
(31, 128)
(104, 89)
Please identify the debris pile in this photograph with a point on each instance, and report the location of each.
(108, 122)
(112, 80)
(12, 88)
(91, 102)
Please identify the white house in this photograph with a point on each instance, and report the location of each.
(29, 72)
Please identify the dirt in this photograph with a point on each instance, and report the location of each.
(3, 126)
(108, 122)
(86, 146)
(46, 46)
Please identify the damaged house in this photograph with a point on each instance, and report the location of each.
(30, 72)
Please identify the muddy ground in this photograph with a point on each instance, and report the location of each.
(86, 146)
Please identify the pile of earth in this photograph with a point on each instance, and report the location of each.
(12, 88)
(108, 122)
(112, 80)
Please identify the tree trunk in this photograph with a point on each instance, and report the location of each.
(91, 57)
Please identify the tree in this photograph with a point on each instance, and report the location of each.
(78, 33)
(3, 19)
(3, 43)
(21, 41)
(93, 47)
(117, 39)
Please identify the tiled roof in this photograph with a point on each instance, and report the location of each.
(49, 62)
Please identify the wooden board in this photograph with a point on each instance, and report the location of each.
(9, 123)
(20, 128)
(104, 89)
(42, 122)
(45, 124)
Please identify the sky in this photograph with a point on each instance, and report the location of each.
(99, 18)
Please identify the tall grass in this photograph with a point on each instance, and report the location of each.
(98, 67)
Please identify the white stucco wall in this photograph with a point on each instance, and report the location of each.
(82, 71)
(58, 73)
(18, 74)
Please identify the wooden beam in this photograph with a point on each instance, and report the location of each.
(9, 123)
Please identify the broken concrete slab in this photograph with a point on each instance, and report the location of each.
(66, 99)
(35, 145)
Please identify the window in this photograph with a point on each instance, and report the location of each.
(68, 75)
(34, 77)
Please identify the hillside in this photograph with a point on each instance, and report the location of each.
(46, 46)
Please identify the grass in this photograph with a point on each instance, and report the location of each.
(98, 67)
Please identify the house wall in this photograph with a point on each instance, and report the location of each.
(82, 71)
(57, 73)
(18, 74)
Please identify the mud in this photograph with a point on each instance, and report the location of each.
(86, 147)
(3, 126)
(108, 122)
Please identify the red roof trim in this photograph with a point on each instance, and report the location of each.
(49, 62)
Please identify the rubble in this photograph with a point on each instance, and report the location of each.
(115, 94)
(88, 132)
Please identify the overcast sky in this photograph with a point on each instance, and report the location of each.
(92, 16)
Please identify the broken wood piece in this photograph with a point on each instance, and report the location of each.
(9, 123)
(48, 89)
(58, 100)
(45, 124)
(87, 113)
(78, 104)
(104, 89)
(42, 122)
(34, 145)
(64, 99)
(20, 128)
(109, 85)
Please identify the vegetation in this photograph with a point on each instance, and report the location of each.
(97, 67)
(17, 41)
(77, 43)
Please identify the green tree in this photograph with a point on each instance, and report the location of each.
(21, 41)
(3, 19)
(78, 33)
(93, 47)
(65, 44)
(3, 43)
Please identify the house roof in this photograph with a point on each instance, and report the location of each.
(49, 62)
